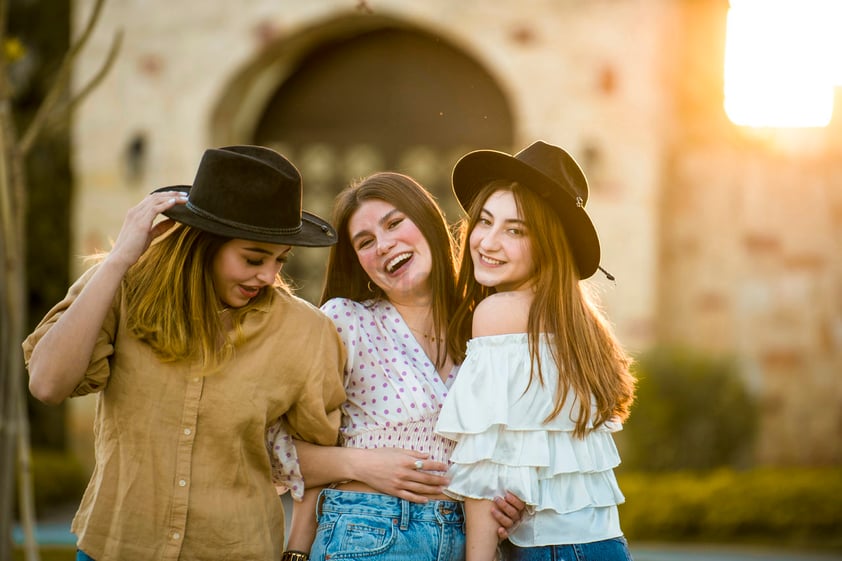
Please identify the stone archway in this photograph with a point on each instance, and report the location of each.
(363, 94)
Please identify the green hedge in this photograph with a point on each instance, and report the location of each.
(692, 412)
(777, 506)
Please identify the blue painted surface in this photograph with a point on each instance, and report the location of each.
(47, 534)
(58, 534)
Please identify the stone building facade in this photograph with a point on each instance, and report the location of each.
(721, 238)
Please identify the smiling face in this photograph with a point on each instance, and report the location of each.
(242, 268)
(391, 250)
(501, 249)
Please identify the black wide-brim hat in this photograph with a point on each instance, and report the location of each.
(550, 172)
(251, 193)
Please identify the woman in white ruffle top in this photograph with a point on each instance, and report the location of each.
(544, 382)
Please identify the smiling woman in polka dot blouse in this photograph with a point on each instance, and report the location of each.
(394, 390)
(390, 291)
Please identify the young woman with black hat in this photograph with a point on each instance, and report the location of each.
(544, 381)
(194, 347)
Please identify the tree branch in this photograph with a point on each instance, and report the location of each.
(67, 107)
(60, 84)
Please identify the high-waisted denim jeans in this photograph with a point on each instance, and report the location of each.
(616, 549)
(375, 527)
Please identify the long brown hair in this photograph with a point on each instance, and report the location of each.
(171, 303)
(345, 276)
(590, 360)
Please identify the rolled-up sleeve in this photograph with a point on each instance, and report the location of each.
(315, 417)
(283, 456)
(99, 368)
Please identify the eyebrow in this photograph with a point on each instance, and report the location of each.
(385, 218)
(507, 221)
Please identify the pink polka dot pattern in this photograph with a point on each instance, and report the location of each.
(286, 473)
(394, 393)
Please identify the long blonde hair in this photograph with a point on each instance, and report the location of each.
(590, 360)
(171, 303)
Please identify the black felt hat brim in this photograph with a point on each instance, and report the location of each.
(314, 232)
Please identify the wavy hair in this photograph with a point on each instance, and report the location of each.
(590, 361)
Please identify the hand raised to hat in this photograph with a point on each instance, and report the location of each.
(140, 229)
(61, 358)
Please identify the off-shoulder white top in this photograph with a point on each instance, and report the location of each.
(496, 417)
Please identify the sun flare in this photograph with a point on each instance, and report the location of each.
(782, 62)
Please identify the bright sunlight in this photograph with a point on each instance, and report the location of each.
(783, 59)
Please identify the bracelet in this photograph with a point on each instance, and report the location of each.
(295, 556)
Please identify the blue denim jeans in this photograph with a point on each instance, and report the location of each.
(82, 556)
(616, 549)
(379, 527)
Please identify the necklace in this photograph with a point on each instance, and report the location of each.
(427, 336)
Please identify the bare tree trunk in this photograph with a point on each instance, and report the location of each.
(14, 421)
(14, 426)
(13, 314)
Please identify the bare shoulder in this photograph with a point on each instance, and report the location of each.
(502, 313)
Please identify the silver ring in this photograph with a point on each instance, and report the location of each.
(419, 464)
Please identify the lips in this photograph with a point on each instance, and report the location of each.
(485, 260)
(398, 261)
(249, 291)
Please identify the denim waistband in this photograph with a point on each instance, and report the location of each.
(376, 504)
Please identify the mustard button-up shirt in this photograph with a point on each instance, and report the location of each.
(182, 470)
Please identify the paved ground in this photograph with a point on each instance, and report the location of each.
(54, 530)
(58, 533)
(673, 552)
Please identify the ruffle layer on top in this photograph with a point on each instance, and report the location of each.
(504, 444)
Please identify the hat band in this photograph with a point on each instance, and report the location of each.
(240, 225)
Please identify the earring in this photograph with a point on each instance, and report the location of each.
(370, 288)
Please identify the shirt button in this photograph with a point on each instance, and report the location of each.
(187, 432)
(196, 379)
(182, 483)
(176, 535)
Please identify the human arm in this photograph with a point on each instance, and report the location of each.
(390, 471)
(488, 522)
(387, 470)
(480, 531)
(59, 360)
(303, 522)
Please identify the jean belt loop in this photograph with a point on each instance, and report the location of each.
(405, 506)
(319, 501)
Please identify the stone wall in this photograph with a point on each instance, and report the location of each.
(750, 250)
(717, 239)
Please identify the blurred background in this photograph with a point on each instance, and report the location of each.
(706, 128)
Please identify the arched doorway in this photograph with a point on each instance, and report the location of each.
(369, 94)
